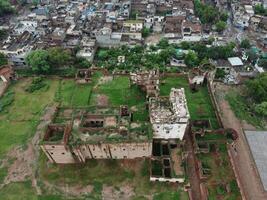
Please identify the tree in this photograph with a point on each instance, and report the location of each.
(5, 7)
(224, 16)
(261, 109)
(263, 63)
(102, 54)
(3, 59)
(252, 55)
(191, 59)
(38, 60)
(257, 88)
(58, 57)
(260, 10)
(220, 26)
(145, 32)
(245, 43)
(163, 43)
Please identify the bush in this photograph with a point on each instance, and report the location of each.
(6, 100)
(37, 84)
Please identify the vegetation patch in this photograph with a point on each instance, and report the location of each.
(36, 84)
(6, 100)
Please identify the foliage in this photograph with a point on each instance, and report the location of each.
(36, 84)
(6, 100)
(220, 26)
(5, 7)
(145, 32)
(257, 88)
(3, 59)
(82, 63)
(252, 55)
(263, 63)
(3, 34)
(39, 61)
(260, 10)
(209, 14)
(245, 43)
(220, 74)
(191, 59)
(58, 57)
(261, 109)
(163, 43)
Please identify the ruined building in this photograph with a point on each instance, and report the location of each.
(148, 81)
(78, 134)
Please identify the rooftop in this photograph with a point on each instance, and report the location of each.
(257, 141)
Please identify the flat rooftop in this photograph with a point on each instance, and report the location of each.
(257, 141)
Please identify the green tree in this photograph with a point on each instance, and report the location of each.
(191, 59)
(3, 59)
(224, 16)
(38, 60)
(252, 55)
(5, 7)
(220, 26)
(245, 43)
(263, 63)
(145, 32)
(260, 10)
(261, 109)
(58, 57)
(257, 88)
(163, 43)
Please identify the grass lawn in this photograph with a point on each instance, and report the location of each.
(120, 92)
(81, 95)
(19, 120)
(199, 103)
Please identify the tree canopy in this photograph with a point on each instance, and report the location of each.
(3, 59)
(38, 60)
(257, 88)
(245, 43)
(5, 7)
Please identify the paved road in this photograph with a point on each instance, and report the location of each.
(246, 171)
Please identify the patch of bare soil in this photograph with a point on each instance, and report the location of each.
(110, 193)
(24, 161)
(135, 125)
(102, 100)
(134, 109)
(105, 79)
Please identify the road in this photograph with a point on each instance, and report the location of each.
(246, 171)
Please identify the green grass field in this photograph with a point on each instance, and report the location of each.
(19, 120)
(199, 103)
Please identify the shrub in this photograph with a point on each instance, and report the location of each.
(37, 84)
(6, 100)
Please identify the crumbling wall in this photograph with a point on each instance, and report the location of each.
(57, 153)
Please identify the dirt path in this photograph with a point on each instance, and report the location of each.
(194, 179)
(242, 160)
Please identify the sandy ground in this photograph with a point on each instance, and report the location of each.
(246, 170)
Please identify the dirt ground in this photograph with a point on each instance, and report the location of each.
(24, 160)
(196, 193)
(246, 171)
(102, 100)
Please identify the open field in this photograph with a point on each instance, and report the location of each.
(199, 103)
(19, 120)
